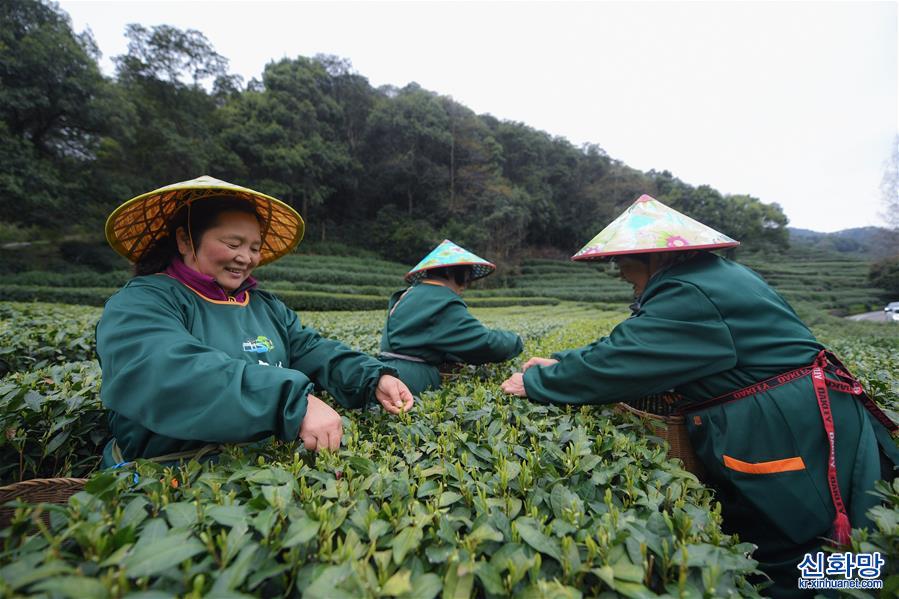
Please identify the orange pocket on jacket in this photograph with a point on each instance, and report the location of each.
(786, 465)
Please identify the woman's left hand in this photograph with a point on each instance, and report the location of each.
(514, 385)
(394, 395)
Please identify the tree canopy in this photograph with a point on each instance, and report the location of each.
(395, 169)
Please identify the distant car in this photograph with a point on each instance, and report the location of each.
(892, 311)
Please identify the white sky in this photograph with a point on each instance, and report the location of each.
(790, 102)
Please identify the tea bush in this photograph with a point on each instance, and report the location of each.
(884, 537)
(55, 412)
(84, 296)
(38, 278)
(52, 422)
(34, 335)
(325, 282)
(473, 493)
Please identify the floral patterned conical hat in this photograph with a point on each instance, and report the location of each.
(450, 254)
(650, 226)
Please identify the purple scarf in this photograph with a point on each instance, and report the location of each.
(206, 285)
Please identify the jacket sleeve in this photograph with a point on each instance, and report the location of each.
(559, 355)
(463, 336)
(157, 373)
(678, 336)
(350, 376)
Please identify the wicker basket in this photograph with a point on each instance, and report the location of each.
(450, 372)
(658, 413)
(38, 490)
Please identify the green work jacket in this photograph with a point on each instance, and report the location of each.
(710, 326)
(181, 371)
(431, 323)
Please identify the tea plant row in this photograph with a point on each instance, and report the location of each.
(474, 493)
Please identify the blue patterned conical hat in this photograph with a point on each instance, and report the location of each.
(450, 254)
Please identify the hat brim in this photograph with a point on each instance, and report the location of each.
(606, 255)
(479, 270)
(140, 222)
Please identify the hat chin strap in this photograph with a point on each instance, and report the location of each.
(190, 237)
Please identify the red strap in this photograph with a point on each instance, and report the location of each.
(760, 387)
(841, 526)
(840, 370)
(832, 365)
(824, 362)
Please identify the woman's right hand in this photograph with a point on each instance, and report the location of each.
(322, 427)
(538, 362)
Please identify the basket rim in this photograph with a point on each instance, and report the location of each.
(14, 490)
(671, 419)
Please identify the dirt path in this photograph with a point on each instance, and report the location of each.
(880, 316)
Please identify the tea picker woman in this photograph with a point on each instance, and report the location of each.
(761, 395)
(428, 324)
(194, 354)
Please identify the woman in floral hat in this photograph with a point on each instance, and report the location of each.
(789, 440)
(428, 324)
(194, 354)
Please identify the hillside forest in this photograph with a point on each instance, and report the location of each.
(392, 169)
(396, 168)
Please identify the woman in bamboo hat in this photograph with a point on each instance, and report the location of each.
(428, 324)
(790, 441)
(194, 354)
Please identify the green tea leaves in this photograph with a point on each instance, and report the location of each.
(161, 554)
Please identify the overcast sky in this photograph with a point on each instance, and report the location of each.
(790, 102)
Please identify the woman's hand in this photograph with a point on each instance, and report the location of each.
(393, 394)
(514, 385)
(322, 427)
(538, 362)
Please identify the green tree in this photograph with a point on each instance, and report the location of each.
(594, 195)
(354, 96)
(397, 236)
(568, 189)
(397, 168)
(474, 161)
(162, 121)
(407, 151)
(50, 116)
(755, 224)
(286, 136)
(885, 274)
(165, 53)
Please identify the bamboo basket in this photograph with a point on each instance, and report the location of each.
(38, 490)
(657, 412)
(450, 371)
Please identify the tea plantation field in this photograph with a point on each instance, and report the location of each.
(314, 282)
(473, 493)
(303, 282)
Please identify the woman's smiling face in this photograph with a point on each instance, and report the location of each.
(228, 251)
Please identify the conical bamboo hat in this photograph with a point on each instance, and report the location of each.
(142, 221)
(650, 226)
(450, 254)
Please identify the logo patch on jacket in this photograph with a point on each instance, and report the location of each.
(259, 345)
